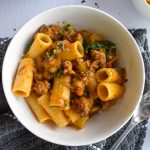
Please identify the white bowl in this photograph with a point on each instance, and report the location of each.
(102, 125)
(143, 7)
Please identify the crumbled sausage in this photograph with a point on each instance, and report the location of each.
(98, 55)
(77, 87)
(41, 87)
(39, 63)
(79, 61)
(44, 29)
(67, 65)
(37, 76)
(85, 34)
(82, 105)
(47, 75)
(96, 64)
(54, 30)
(88, 63)
(79, 38)
(84, 78)
(74, 37)
(52, 65)
(105, 106)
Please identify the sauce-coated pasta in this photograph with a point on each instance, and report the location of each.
(69, 75)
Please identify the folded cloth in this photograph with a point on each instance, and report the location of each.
(13, 136)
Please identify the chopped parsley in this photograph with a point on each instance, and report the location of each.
(86, 93)
(59, 36)
(105, 45)
(66, 27)
(49, 54)
(86, 45)
(60, 44)
(55, 51)
(58, 72)
(97, 45)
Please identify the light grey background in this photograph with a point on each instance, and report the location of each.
(15, 13)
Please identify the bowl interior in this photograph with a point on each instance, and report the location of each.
(101, 125)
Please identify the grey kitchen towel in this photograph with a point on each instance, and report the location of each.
(13, 136)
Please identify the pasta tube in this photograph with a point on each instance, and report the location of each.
(39, 112)
(83, 67)
(110, 91)
(92, 85)
(24, 78)
(40, 44)
(108, 75)
(72, 51)
(72, 115)
(60, 94)
(80, 123)
(57, 115)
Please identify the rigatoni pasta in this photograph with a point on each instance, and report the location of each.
(67, 75)
(57, 115)
(60, 94)
(72, 115)
(39, 112)
(109, 75)
(72, 51)
(40, 44)
(24, 77)
(81, 122)
(109, 91)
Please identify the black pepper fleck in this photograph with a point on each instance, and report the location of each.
(96, 4)
(14, 29)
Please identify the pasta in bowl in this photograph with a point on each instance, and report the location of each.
(98, 125)
(67, 75)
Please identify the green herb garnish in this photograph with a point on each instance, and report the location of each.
(49, 54)
(105, 45)
(86, 45)
(66, 27)
(97, 45)
(86, 93)
(60, 44)
(58, 72)
(59, 36)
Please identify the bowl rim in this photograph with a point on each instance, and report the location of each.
(84, 7)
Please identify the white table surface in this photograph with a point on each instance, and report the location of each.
(15, 13)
